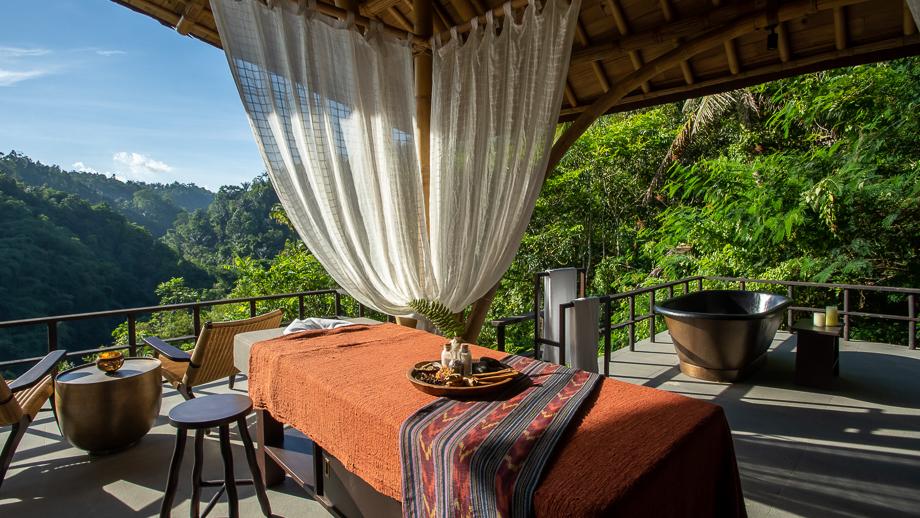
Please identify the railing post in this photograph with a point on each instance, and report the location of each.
(607, 332)
(671, 291)
(196, 320)
(360, 309)
(52, 335)
(536, 316)
(912, 323)
(300, 307)
(500, 338)
(562, 335)
(252, 308)
(699, 284)
(632, 322)
(742, 284)
(686, 287)
(789, 312)
(651, 320)
(338, 303)
(846, 314)
(132, 335)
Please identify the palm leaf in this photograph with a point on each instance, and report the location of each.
(447, 322)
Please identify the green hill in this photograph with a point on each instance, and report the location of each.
(152, 206)
(60, 254)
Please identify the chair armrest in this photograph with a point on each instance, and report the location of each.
(38, 372)
(173, 353)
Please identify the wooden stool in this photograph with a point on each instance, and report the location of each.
(200, 414)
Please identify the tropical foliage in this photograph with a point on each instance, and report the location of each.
(813, 178)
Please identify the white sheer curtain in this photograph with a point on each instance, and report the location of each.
(333, 114)
(914, 6)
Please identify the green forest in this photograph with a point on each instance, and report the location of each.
(814, 178)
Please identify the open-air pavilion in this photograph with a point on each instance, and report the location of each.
(369, 116)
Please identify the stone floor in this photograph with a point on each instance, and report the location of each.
(851, 451)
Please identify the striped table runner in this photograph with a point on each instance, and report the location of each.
(484, 458)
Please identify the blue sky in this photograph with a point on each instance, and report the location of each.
(92, 85)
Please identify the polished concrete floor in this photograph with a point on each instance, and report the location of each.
(851, 451)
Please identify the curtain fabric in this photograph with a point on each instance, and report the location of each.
(333, 112)
(914, 6)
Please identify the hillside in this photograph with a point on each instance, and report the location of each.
(59, 254)
(152, 206)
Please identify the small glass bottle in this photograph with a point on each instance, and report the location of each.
(467, 359)
(446, 355)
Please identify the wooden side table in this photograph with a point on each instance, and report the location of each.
(817, 356)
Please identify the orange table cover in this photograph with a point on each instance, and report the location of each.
(632, 451)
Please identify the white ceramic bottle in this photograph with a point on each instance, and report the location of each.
(446, 355)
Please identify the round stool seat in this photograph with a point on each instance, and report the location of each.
(210, 411)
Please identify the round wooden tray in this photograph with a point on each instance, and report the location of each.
(456, 392)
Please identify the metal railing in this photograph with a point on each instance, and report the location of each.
(132, 314)
(632, 319)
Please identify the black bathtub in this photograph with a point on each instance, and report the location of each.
(722, 335)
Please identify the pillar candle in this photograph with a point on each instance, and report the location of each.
(819, 319)
(832, 316)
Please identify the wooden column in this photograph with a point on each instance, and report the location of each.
(423, 29)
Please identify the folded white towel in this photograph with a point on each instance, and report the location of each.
(309, 324)
(559, 287)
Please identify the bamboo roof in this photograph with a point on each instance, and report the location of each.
(634, 53)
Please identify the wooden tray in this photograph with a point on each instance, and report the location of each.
(457, 392)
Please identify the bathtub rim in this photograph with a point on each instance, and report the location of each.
(661, 309)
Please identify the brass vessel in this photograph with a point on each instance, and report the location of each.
(110, 361)
(104, 412)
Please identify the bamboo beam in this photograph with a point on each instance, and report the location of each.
(668, 12)
(785, 51)
(403, 22)
(189, 18)
(692, 27)
(756, 20)
(170, 17)
(465, 9)
(424, 27)
(570, 95)
(372, 7)
(619, 19)
(581, 36)
(837, 58)
(909, 26)
(731, 54)
(840, 28)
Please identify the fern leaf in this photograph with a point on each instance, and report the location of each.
(449, 324)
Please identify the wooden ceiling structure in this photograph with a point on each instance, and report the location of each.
(630, 54)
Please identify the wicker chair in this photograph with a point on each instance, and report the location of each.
(21, 400)
(212, 357)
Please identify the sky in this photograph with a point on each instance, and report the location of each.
(90, 85)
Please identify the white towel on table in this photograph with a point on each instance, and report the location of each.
(559, 287)
(582, 335)
(308, 324)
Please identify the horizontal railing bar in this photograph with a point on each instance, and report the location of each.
(805, 284)
(158, 309)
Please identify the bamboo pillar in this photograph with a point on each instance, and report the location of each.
(423, 28)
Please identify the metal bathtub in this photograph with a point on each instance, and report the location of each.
(722, 335)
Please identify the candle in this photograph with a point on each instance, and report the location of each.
(819, 319)
(832, 316)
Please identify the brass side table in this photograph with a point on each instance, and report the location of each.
(106, 412)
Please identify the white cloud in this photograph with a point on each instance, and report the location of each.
(140, 165)
(110, 52)
(21, 52)
(11, 77)
(83, 168)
